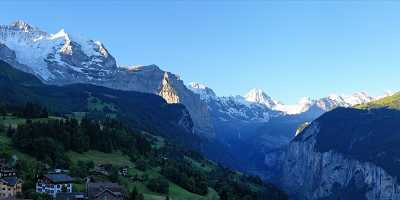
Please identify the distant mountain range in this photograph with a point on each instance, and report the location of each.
(255, 122)
(257, 97)
(260, 124)
(115, 120)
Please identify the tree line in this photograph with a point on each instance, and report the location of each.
(30, 110)
(49, 141)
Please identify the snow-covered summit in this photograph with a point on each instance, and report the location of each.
(63, 58)
(53, 56)
(329, 102)
(205, 92)
(196, 85)
(260, 97)
(258, 101)
(22, 25)
(354, 99)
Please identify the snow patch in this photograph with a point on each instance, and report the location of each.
(36, 49)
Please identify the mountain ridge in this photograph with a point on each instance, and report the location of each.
(255, 121)
(259, 97)
(133, 130)
(347, 153)
(262, 125)
(61, 59)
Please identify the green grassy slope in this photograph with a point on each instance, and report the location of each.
(391, 102)
(5, 141)
(145, 114)
(120, 160)
(138, 110)
(117, 159)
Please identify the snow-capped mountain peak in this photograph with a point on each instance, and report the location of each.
(59, 55)
(65, 38)
(359, 98)
(257, 101)
(335, 97)
(22, 25)
(63, 58)
(259, 96)
(328, 103)
(350, 100)
(205, 92)
(197, 85)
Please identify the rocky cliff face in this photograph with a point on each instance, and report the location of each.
(167, 91)
(62, 59)
(311, 174)
(263, 126)
(151, 79)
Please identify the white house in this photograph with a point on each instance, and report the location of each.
(54, 183)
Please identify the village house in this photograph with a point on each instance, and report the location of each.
(54, 183)
(10, 187)
(5, 170)
(105, 190)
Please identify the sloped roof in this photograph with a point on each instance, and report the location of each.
(11, 181)
(96, 189)
(59, 178)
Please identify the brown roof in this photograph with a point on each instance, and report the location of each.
(97, 189)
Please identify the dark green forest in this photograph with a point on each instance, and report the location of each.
(57, 122)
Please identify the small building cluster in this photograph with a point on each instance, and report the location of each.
(10, 185)
(54, 183)
(96, 191)
(59, 186)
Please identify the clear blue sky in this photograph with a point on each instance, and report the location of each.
(289, 49)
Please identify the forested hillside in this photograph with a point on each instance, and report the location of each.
(94, 131)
